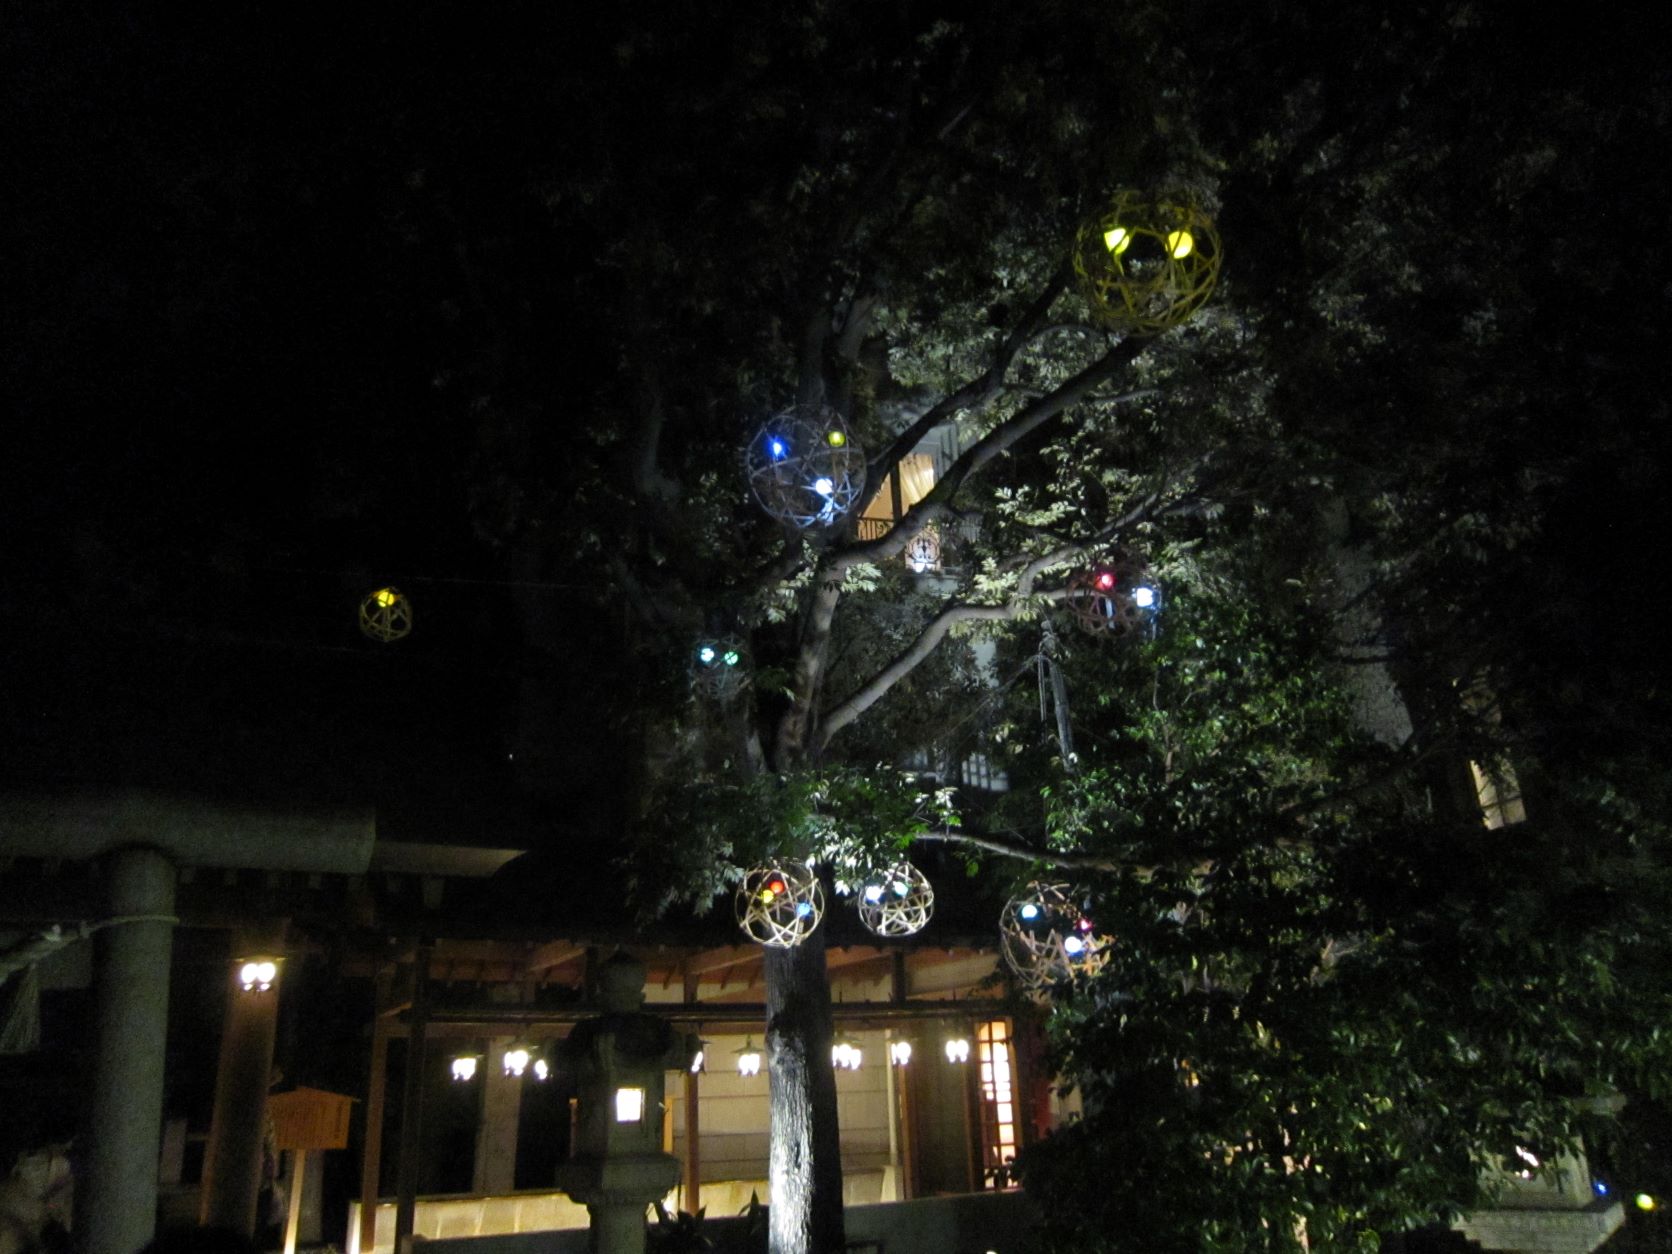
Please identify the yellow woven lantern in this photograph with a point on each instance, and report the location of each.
(1147, 263)
(386, 615)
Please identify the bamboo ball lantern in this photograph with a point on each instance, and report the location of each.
(897, 901)
(805, 467)
(1048, 940)
(1115, 597)
(780, 904)
(386, 615)
(719, 668)
(1147, 263)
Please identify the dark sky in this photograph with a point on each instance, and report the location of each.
(283, 305)
(242, 399)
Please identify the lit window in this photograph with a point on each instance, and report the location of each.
(998, 1102)
(629, 1105)
(911, 482)
(1499, 794)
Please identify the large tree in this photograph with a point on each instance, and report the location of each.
(562, 270)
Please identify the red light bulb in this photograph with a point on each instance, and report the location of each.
(1105, 580)
(775, 886)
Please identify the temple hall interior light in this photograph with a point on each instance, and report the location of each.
(748, 1058)
(463, 1068)
(899, 1053)
(958, 1049)
(516, 1060)
(256, 975)
(846, 1055)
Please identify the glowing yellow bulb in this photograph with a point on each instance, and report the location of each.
(1180, 244)
(836, 439)
(767, 894)
(1117, 239)
(386, 597)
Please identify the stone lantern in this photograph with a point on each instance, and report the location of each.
(616, 1165)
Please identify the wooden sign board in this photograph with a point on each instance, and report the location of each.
(310, 1119)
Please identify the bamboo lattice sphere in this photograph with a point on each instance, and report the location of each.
(780, 905)
(1147, 263)
(1116, 597)
(719, 669)
(1048, 940)
(386, 615)
(805, 467)
(896, 902)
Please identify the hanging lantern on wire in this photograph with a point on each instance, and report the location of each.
(897, 901)
(1048, 940)
(1147, 263)
(805, 467)
(1114, 597)
(386, 615)
(719, 669)
(779, 905)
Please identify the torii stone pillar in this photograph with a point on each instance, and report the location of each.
(116, 1199)
(141, 838)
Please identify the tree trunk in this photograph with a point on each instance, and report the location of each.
(806, 1151)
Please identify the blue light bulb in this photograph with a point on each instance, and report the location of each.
(1073, 946)
(1029, 911)
(873, 893)
(705, 655)
(776, 448)
(901, 888)
(803, 909)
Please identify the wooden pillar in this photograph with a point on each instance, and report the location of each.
(371, 1153)
(293, 1219)
(691, 1187)
(412, 1103)
(908, 1140)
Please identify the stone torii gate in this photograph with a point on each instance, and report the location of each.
(141, 840)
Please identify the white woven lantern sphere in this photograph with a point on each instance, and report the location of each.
(1114, 597)
(897, 902)
(1147, 263)
(386, 615)
(805, 467)
(719, 668)
(779, 905)
(1048, 940)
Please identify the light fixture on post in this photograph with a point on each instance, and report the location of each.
(899, 1053)
(699, 1064)
(748, 1058)
(958, 1049)
(257, 973)
(516, 1059)
(845, 1054)
(463, 1068)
